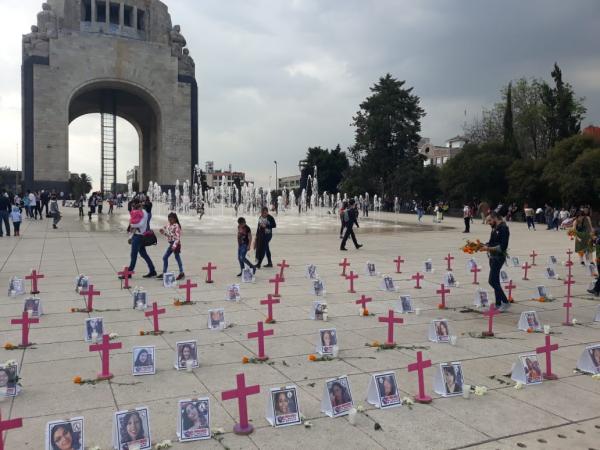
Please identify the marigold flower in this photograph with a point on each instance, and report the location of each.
(73, 310)
(245, 360)
(365, 312)
(375, 344)
(142, 332)
(77, 380)
(440, 306)
(542, 299)
(312, 357)
(9, 346)
(530, 330)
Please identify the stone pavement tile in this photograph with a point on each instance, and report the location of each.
(497, 413)
(561, 399)
(59, 398)
(341, 435)
(412, 428)
(97, 428)
(300, 368)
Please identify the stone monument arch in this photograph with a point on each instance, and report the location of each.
(118, 58)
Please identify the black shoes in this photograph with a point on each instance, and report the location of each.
(268, 265)
(344, 249)
(239, 274)
(358, 246)
(150, 274)
(181, 276)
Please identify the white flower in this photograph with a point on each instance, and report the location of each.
(307, 424)
(574, 321)
(408, 401)
(11, 362)
(519, 385)
(164, 444)
(480, 390)
(360, 408)
(113, 336)
(218, 431)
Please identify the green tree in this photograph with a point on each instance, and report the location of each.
(526, 184)
(477, 171)
(386, 136)
(563, 111)
(79, 184)
(331, 166)
(510, 141)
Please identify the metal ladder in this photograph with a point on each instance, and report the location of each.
(108, 120)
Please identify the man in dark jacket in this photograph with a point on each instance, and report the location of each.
(5, 209)
(264, 233)
(496, 248)
(350, 219)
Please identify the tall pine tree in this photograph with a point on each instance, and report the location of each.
(510, 141)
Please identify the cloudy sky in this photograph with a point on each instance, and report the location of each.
(278, 76)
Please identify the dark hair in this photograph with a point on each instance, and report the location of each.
(124, 421)
(241, 221)
(183, 347)
(148, 362)
(263, 209)
(69, 429)
(174, 216)
(187, 423)
(345, 396)
(495, 215)
(352, 202)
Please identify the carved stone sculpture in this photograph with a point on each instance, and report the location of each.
(47, 22)
(177, 41)
(36, 43)
(186, 64)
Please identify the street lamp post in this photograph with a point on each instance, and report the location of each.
(276, 179)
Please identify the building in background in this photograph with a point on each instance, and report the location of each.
(291, 182)
(209, 167)
(592, 131)
(215, 177)
(133, 176)
(439, 155)
(10, 180)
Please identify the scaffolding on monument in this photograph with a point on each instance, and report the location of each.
(108, 120)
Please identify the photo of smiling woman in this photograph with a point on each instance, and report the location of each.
(143, 362)
(194, 419)
(63, 436)
(186, 352)
(132, 429)
(285, 407)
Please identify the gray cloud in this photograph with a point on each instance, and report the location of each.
(278, 76)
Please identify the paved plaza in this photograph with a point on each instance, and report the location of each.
(556, 414)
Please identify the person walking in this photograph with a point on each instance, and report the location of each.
(26, 205)
(138, 225)
(38, 204)
(172, 231)
(341, 213)
(467, 218)
(264, 234)
(92, 202)
(16, 218)
(350, 219)
(483, 209)
(80, 204)
(244, 239)
(45, 200)
(496, 249)
(148, 209)
(5, 211)
(529, 217)
(583, 230)
(111, 204)
(54, 211)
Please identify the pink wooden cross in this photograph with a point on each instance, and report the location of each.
(24, 321)
(155, 313)
(188, 286)
(443, 290)
(34, 277)
(533, 255)
(90, 293)
(391, 320)
(398, 261)
(351, 278)
(491, 312)
(269, 301)
(419, 366)
(569, 253)
(344, 264)
(510, 286)
(417, 277)
(125, 275)
(209, 269)
(475, 270)
(548, 349)
(8, 425)
(105, 349)
(569, 265)
(449, 259)
(260, 336)
(526, 267)
(241, 393)
(276, 281)
(568, 304)
(363, 300)
(282, 266)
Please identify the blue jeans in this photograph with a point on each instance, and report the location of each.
(4, 219)
(494, 279)
(166, 258)
(242, 251)
(138, 247)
